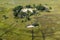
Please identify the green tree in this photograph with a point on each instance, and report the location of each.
(28, 6)
(40, 7)
(16, 10)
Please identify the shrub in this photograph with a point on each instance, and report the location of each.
(22, 15)
(5, 17)
(40, 7)
(28, 19)
(16, 10)
(15, 14)
(35, 24)
(34, 12)
(50, 7)
(34, 5)
(28, 6)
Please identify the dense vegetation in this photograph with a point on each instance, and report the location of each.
(17, 10)
(18, 13)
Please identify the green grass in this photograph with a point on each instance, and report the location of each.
(18, 31)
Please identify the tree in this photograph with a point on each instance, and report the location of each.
(28, 6)
(16, 10)
(40, 7)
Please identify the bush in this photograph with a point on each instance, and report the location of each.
(22, 14)
(40, 7)
(15, 14)
(34, 12)
(16, 10)
(34, 5)
(5, 17)
(50, 7)
(28, 6)
(35, 24)
(28, 19)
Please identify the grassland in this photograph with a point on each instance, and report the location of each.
(18, 30)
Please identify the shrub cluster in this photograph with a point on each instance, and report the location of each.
(18, 13)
